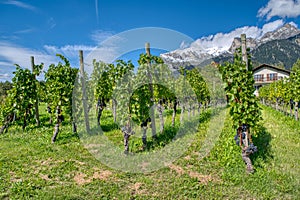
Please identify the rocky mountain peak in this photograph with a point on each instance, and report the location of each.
(284, 32)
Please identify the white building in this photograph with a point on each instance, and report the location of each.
(266, 74)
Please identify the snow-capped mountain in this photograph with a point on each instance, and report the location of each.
(214, 47)
(188, 56)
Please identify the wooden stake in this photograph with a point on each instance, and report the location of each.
(84, 95)
(36, 104)
(147, 48)
(244, 49)
(152, 110)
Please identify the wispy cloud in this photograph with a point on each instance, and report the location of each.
(9, 37)
(6, 71)
(99, 36)
(68, 50)
(20, 4)
(71, 52)
(51, 23)
(97, 11)
(2, 63)
(11, 54)
(4, 76)
(280, 8)
(23, 31)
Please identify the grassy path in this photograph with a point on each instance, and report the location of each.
(285, 141)
(33, 168)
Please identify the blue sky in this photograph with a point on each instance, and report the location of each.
(44, 28)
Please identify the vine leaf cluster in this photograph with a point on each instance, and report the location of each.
(239, 87)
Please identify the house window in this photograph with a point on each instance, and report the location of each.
(259, 78)
(273, 77)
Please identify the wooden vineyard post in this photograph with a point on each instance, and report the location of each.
(246, 129)
(152, 114)
(296, 110)
(244, 49)
(245, 59)
(84, 95)
(159, 106)
(36, 104)
(291, 107)
(147, 49)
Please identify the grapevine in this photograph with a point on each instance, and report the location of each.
(60, 81)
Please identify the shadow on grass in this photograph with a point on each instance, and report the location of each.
(163, 138)
(65, 138)
(109, 127)
(99, 130)
(262, 141)
(44, 122)
(188, 127)
(175, 133)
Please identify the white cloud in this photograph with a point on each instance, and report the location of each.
(272, 26)
(11, 53)
(223, 41)
(20, 4)
(103, 53)
(280, 8)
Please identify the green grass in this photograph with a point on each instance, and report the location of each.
(33, 168)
